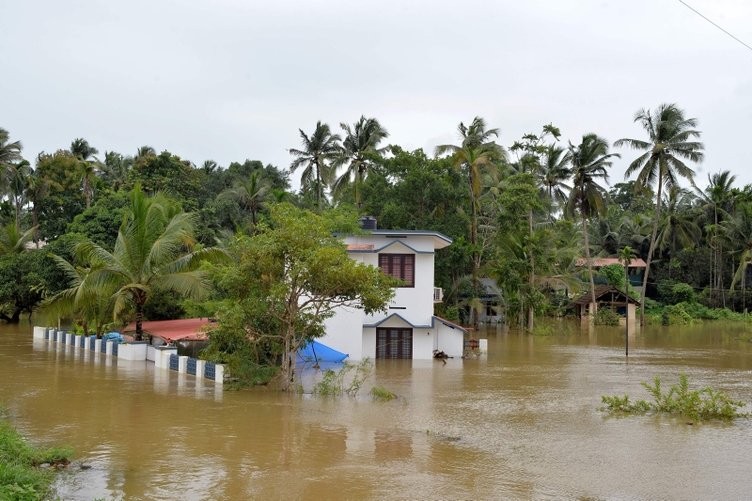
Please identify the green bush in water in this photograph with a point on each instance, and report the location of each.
(348, 380)
(382, 394)
(699, 405)
(606, 316)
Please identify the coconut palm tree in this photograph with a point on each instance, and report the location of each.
(10, 155)
(670, 142)
(678, 228)
(251, 195)
(476, 154)
(115, 169)
(13, 240)
(360, 149)
(154, 248)
(84, 152)
(590, 161)
(554, 172)
(318, 153)
(17, 177)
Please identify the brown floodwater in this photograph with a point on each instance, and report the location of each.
(521, 423)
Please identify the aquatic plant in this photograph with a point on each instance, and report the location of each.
(699, 405)
(381, 394)
(347, 380)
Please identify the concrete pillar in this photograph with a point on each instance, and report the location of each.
(219, 374)
(87, 343)
(97, 346)
(183, 364)
(483, 345)
(162, 359)
(108, 347)
(39, 332)
(200, 366)
(71, 339)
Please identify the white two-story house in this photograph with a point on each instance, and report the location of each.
(408, 329)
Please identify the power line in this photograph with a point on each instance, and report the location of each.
(714, 24)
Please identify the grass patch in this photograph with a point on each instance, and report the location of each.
(21, 477)
(679, 400)
(381, 394)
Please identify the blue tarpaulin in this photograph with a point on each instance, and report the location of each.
(316, 352)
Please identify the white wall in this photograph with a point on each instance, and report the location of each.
(344, 332)
(450, 341)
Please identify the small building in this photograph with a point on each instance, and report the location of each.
(606, 296)
(408, 329)
(635, 270)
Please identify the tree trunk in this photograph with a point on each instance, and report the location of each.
(288, 368)
(531, 279)
(656, 218)
(139, 321)
(586, 237)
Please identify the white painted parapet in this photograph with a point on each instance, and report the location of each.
(219, 374)
(183, 364)
(483, 345)
(108, 347)
(39, 332)
(162, 356)
(132, 351)
(200, 367)
(87, 343)
(70, 339)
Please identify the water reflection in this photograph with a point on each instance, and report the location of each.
(519, 423)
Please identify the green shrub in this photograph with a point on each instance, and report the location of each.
(698, 405)
(672, 292)
(348, 380)
(606, 316)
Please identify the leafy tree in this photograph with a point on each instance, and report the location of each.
(115, 169)
(286, 280)
(22, 283)
(57, 196)
(318, 153)
(590, 160)
(169, 174)
(360, 149)
(670, 142)
(476, 153)
(154, 249)
(100, 222)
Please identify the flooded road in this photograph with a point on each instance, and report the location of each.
(521, 423)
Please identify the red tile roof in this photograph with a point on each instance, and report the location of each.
(599, 262)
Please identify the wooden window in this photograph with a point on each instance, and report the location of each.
(400, 266)
(394, 343)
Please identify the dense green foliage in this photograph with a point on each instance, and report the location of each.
(698, 405)
(280, 285)
(21, 477)
(521, 215)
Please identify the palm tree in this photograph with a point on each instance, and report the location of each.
(670, 142)
(476, 154)
(554, 171)
(318, 153)
(250, 195)
(115, 169)
(84, 304)
(13, 240)
(10, 155)
(678, 228)
(84, 152)
(359, 150)
(144, 152)
(590, 159)
(739, 229)
(718, 203)
(17, 177)
(154, 249)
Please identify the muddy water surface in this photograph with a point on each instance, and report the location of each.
(522, 422)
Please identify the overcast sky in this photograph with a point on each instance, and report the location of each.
(234, 79)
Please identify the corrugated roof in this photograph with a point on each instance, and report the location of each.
(185, 329)
(599, 262)
(603, 290)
